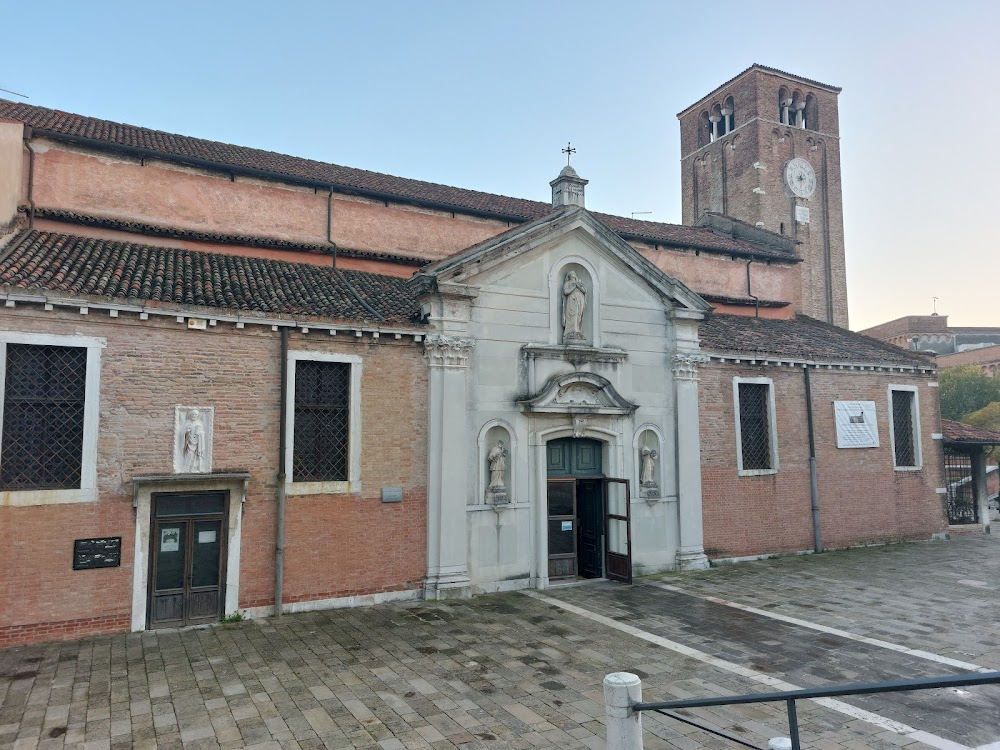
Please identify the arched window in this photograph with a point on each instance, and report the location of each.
(704, 130)
(811, 113)
(728, 115)
(796, 113)
(715, 119)
(784, 104)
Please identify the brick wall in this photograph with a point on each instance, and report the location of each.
(336, 545)
(862, 498)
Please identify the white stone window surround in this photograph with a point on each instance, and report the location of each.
(87, 492)
(353, 483)
(593, 309)
(771, 427)
(918, 451)
(484, 474)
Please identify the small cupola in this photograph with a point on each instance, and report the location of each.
(567, 188)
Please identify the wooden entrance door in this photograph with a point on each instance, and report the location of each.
(188, 552)
(618, 530)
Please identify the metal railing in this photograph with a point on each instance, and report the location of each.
(624, 705)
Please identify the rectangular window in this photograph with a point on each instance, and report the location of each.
(322, 421)
(49, 415)
(905, 427)
(45, 391)
(323, 454)
(756, 442)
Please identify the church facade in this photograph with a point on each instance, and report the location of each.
(238, 381)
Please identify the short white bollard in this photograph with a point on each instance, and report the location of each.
(621, 690)
(779, 743)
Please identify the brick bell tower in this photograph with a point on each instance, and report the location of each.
(764, 148)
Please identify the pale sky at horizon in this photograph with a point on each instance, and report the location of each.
(484, 95)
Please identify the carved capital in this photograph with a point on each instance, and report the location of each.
(445, 351)
(685, 366)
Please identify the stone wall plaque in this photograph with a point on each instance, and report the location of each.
(103, 552)
(193, 429)
(392, 494)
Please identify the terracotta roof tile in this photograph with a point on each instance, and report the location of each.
(959, 432)
(224, 155)
(134, 273)
(800, 338)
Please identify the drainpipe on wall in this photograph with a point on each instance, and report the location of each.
(756, 302)
(279, 545)
(329, 227)
(31, 177)
(813, 484)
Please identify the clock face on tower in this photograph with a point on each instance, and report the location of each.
(800, 177)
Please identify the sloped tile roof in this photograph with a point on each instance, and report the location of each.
(801, 338)
(959, 432)
(135, 273)
(198, 150)
(158, 230)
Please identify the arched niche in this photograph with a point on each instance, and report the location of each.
(650, 477)
(496, 432)
(586, 273)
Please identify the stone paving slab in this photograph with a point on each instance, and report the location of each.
(505, 671)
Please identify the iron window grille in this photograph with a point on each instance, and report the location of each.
(43, 413)
(755, 427)
(321, 442)
(904, 438)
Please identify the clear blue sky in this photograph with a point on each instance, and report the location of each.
(483, 95)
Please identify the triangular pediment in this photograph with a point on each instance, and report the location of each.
(578, 393)
(466, 266)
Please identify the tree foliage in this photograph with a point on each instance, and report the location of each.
(988, 417)
(965, 390)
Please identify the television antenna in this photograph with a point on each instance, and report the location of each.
(8, 91)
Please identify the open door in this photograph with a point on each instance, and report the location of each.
(618, 530)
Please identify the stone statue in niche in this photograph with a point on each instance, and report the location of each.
(574, 306)
(648, 486)
(193, 439)
(497, 491)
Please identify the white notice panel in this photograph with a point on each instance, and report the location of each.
(856, 426)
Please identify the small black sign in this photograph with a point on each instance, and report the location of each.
(97, 553)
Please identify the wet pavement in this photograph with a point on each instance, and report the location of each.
(524, 671)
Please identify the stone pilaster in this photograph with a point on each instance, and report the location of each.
(691, 552)
(447, 563)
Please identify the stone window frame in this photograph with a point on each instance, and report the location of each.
(87, 491)
(353, 483)
(918, 453)
(772, 427)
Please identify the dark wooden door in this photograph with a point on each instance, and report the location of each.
(618, 530)
(561, 501)
(590, 534)
(187, 572)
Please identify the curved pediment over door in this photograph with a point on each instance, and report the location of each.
(578, 393)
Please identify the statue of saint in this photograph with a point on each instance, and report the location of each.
(498, 466)
(193, 450)
(574, 304)
(648, 475)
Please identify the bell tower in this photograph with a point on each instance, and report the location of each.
(764, 148)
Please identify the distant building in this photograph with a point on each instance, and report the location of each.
(236, 380)
(931, 333)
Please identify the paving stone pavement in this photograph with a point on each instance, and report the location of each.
(512, 671)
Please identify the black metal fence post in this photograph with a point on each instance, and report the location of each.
(793, 724)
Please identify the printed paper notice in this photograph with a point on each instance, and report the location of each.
(206, 537)
(567, 525)
(170, 540)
